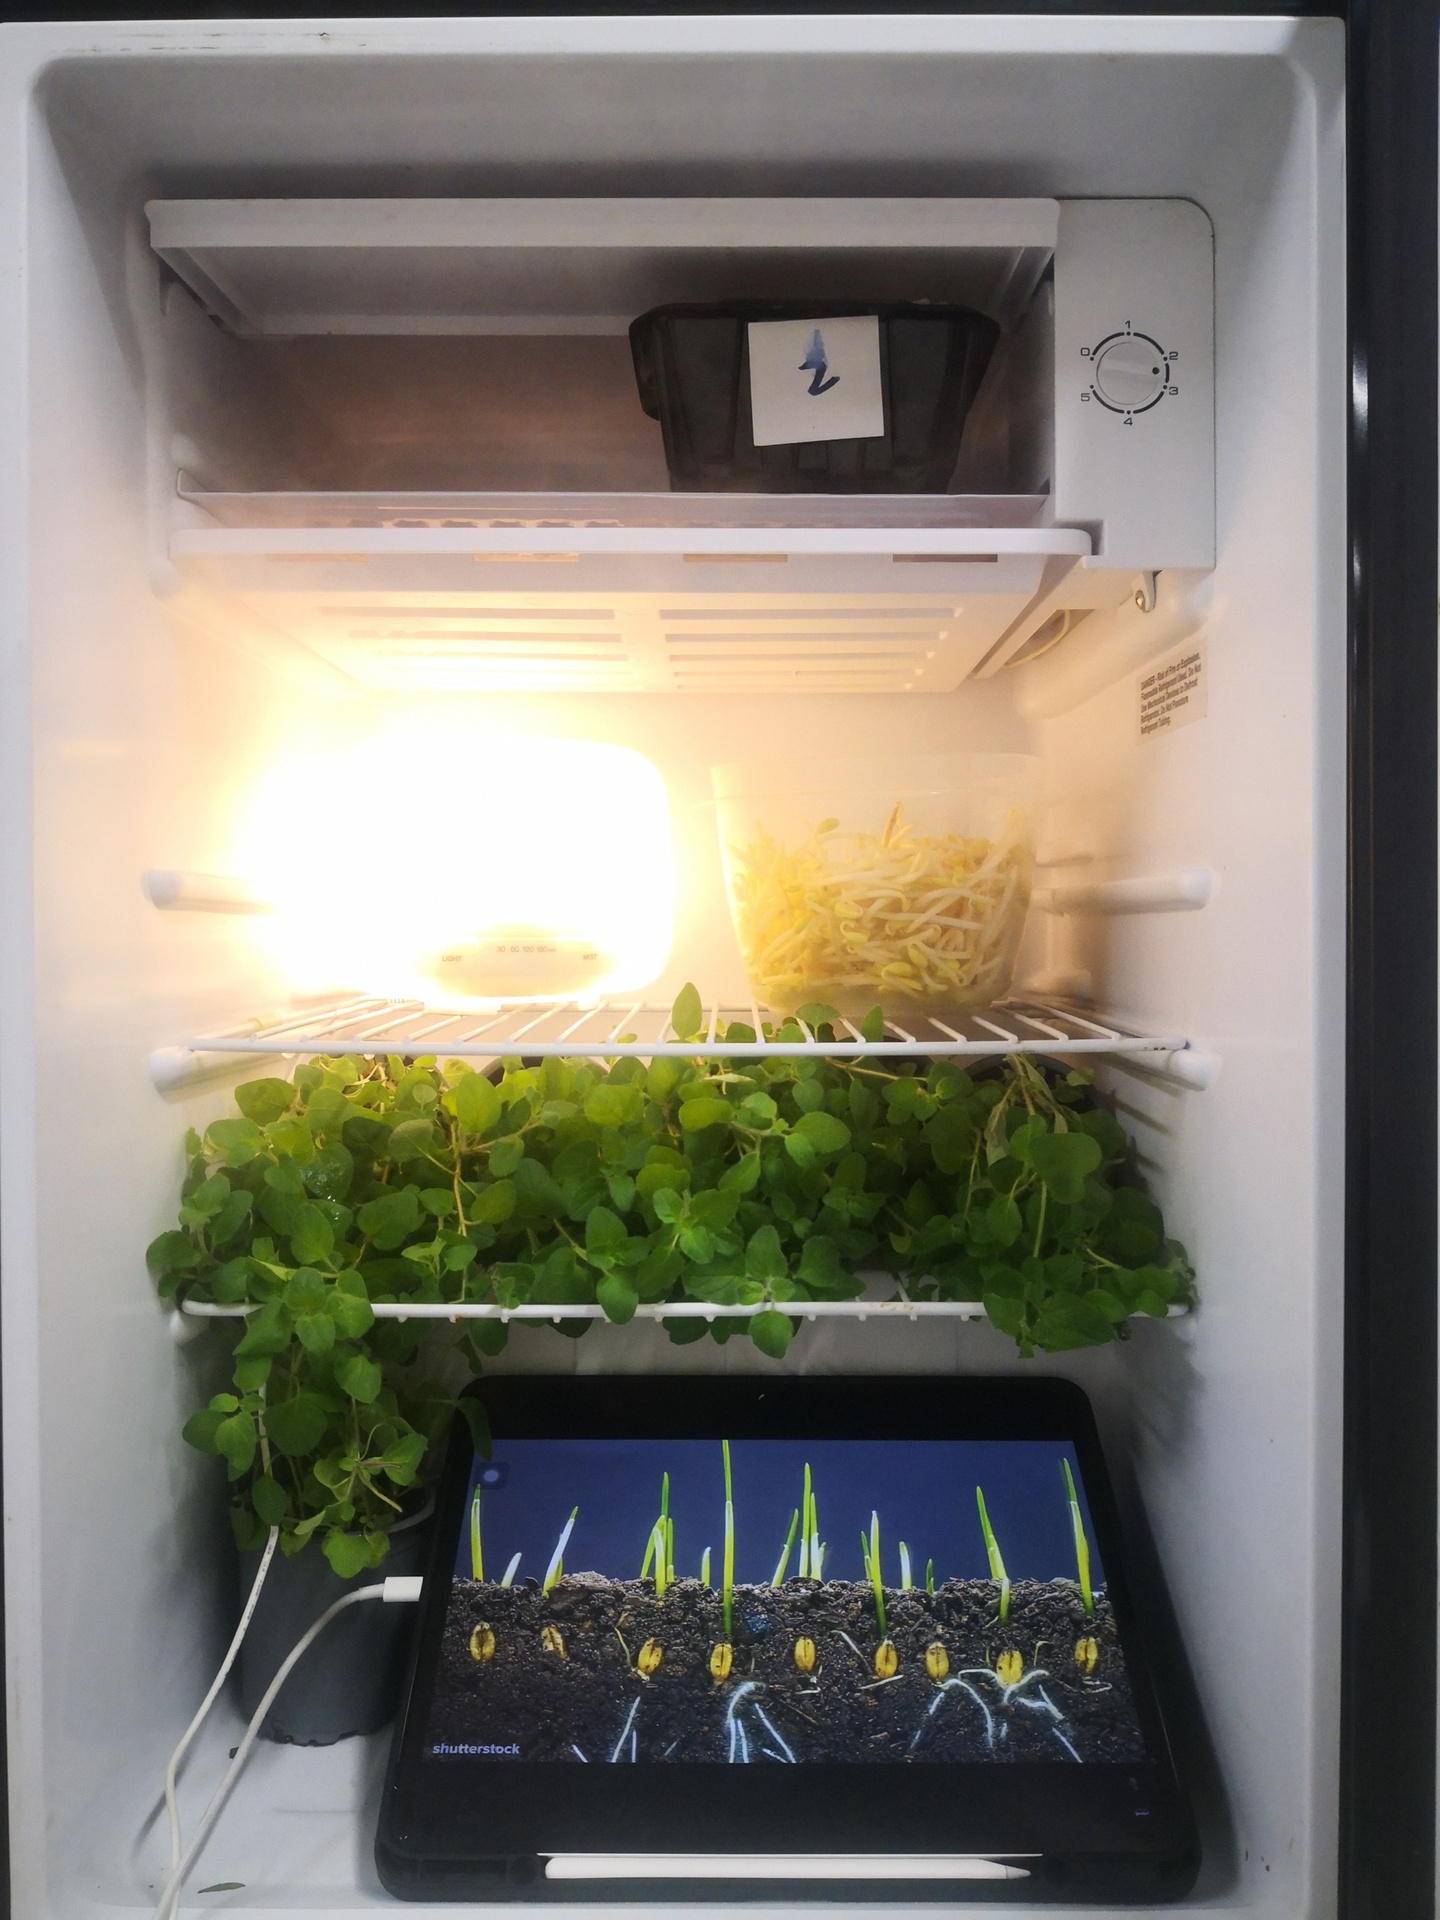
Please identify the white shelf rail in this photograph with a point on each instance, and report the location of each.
(604, 1030)
(457, 1310)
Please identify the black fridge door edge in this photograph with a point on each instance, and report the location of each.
(1387, 1758)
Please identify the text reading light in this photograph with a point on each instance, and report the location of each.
(441, 863)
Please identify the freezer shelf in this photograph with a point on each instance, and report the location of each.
(574, 1030)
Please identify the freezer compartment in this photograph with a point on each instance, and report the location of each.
(518, 437)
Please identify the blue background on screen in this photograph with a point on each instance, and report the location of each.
(923, 1490)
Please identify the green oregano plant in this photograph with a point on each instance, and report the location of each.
(731, 1182)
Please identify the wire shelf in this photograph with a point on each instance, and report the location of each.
(456, 1310)
(610, 1030)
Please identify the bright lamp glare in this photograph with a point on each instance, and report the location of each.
(445, 865)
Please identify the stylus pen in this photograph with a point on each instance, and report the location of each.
(780, 1866)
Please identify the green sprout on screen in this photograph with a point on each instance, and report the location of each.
(870, 1553)
(727, 1576)
(906, 1583)
(660, 1534)
(783, 1562)
(477, 1562)
(805, 1533)
(705, 1568)
(930, 1576)
(507, 1579)
(557, 1559)
(1082, 1545)
(992, 1550)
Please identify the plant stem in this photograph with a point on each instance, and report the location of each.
(662, 1559)
(727, 1578)
(705, 1568)
(906, 1583)
(930, 1576)
(805, 1526)
(557, 1559)
(992, 1550)
(874, 1560)
(783, 1562)
(1082, 1545)
(507, 1579)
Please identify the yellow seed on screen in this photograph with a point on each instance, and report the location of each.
(722, 1656)
(551, 1642)
(648, 1658)
(1087, 1654)
(1009, 1668)
(482, 1643)
(805, 1654)
(937, 1660)
(887, 1660)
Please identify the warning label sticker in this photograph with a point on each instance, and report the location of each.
(1172, 692)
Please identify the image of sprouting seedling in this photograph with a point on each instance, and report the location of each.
(887, 1659)
(992, 1551)
(784, 1561)
(660, 1548)
(507, 1579)
(930, 1576)
(805, 1573)
(727, 1574)
(906, 1583)
(1082, 1545)
(705, 1568)
(477, 1562)
(662, 1539)
(557, 1558)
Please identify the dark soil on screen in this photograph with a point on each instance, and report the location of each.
(589, 1701)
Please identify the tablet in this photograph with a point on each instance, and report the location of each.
(791, 1638)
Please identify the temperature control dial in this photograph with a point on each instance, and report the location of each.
(1129, 373)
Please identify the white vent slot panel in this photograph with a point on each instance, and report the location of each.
(631, 593)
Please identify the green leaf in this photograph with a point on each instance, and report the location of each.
(315, 1332)
(414, 1139)
(312, 1237)
(872, 1027)
(493, 1205)
(359, 1377)
(612, 1106)
(1062, 1161)
(705, 1112)
(296, 1426)
(663, 1076)
(477, 1102)
(264, 1100)
(771, 1331)
(801, 1150)
(329, 1174)
(743, 1176)
(236, 1439)
(505, 1157)
(348, 1553)
(237, 1142)
(388, 1219)
(823, 1132)
(200, 1429)
(687, 1016)
(1003, 1217)
(603, 1232)
(809, 1095)
(172, 1252)
(1005, 1313)
(268, 1498)
(764, 1258)
(617, 1297)
(536, 1192)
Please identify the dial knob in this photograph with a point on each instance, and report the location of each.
(1129, 372)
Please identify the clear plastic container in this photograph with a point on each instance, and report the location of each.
(902, 882)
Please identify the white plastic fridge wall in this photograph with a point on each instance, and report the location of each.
(128, 745)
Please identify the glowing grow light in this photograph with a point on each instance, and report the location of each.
(440, 862)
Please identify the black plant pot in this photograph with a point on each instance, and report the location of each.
(349, 1681)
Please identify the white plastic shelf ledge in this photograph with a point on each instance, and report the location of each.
(606, 1030)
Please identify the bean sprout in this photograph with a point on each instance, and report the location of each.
(899, 917)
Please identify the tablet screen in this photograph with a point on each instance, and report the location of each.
(778, 1602)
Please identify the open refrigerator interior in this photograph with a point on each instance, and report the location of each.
(355, 598)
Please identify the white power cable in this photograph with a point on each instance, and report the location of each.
(396, 1588)
(172, 1811)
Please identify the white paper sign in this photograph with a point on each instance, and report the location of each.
(815, 380)
(1173, 691)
